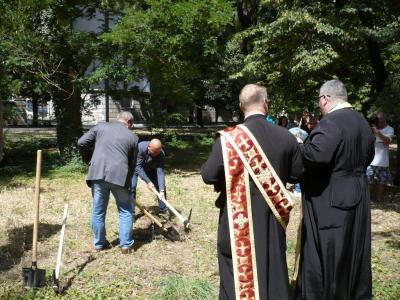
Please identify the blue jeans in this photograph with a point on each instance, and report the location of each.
(153, 178)
(101, 195)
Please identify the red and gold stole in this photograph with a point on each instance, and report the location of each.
(243, 156)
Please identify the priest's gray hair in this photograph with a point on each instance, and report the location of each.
(253, 94)
(335, 89)
(125, 116)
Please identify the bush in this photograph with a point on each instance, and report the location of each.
(175, 119)
(75, 164)
(172, 139)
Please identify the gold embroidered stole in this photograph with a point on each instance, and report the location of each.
(243, 156)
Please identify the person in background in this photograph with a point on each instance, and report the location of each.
(378, 171)
(312, 122)
(283, 121)
(111, 151)
(304, 121)
(396, 180)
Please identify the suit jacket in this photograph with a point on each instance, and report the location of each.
(114, 155)
(147, 164)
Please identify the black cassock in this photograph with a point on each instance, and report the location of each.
(336, 242)
(283, 152)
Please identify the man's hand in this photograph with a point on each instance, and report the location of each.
(150, 186)
(162, 194)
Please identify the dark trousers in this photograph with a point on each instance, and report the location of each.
(153, 178)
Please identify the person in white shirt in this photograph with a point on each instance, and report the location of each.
(378, 171)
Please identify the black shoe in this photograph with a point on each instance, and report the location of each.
(105, 246)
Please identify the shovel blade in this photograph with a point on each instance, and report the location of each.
(34, 278)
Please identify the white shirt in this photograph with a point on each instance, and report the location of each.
(381, 158)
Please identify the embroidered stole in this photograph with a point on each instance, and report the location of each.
(243, 156)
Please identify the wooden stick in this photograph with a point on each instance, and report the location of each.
(151, 217)
(61, 243)
(181, 218)
(37, 201)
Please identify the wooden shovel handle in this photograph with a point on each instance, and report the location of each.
(172, 209)
(151, 217)
(37, 198)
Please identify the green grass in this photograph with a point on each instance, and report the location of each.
(185, 288)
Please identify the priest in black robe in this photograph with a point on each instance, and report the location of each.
(282, 150)
(335, 261)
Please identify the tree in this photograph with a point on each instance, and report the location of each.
(174, 44)
(296, 45)
(47, 55)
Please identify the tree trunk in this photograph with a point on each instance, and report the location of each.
(69, 124)
(375, 57)
(35, 109)
(199, 116)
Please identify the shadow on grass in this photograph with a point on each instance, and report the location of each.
(77, 270)
(20, 240)
(187, 160)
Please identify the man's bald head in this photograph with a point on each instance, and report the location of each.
(154, 147)
(253, 97)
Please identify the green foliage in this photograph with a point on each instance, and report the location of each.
(174, 44)
(75, 165)
(172, 139)
(205, 141)
(183, 288)
(175, 119)
(296, 46)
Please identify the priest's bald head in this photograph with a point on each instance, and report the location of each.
(253, 98)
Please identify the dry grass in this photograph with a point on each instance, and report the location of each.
(109, 275)
(87, 270)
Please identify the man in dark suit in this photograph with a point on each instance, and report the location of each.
(150, 168)
(282, 151)
(336, 243)
(111, 165)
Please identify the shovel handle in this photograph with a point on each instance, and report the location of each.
(151, 217)
(37, 198)
(181, 218)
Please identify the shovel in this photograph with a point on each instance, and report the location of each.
(34, 277)
(184, 221)
(170, 233)
(56, 272)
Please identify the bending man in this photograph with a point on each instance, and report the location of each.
(150, 168)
